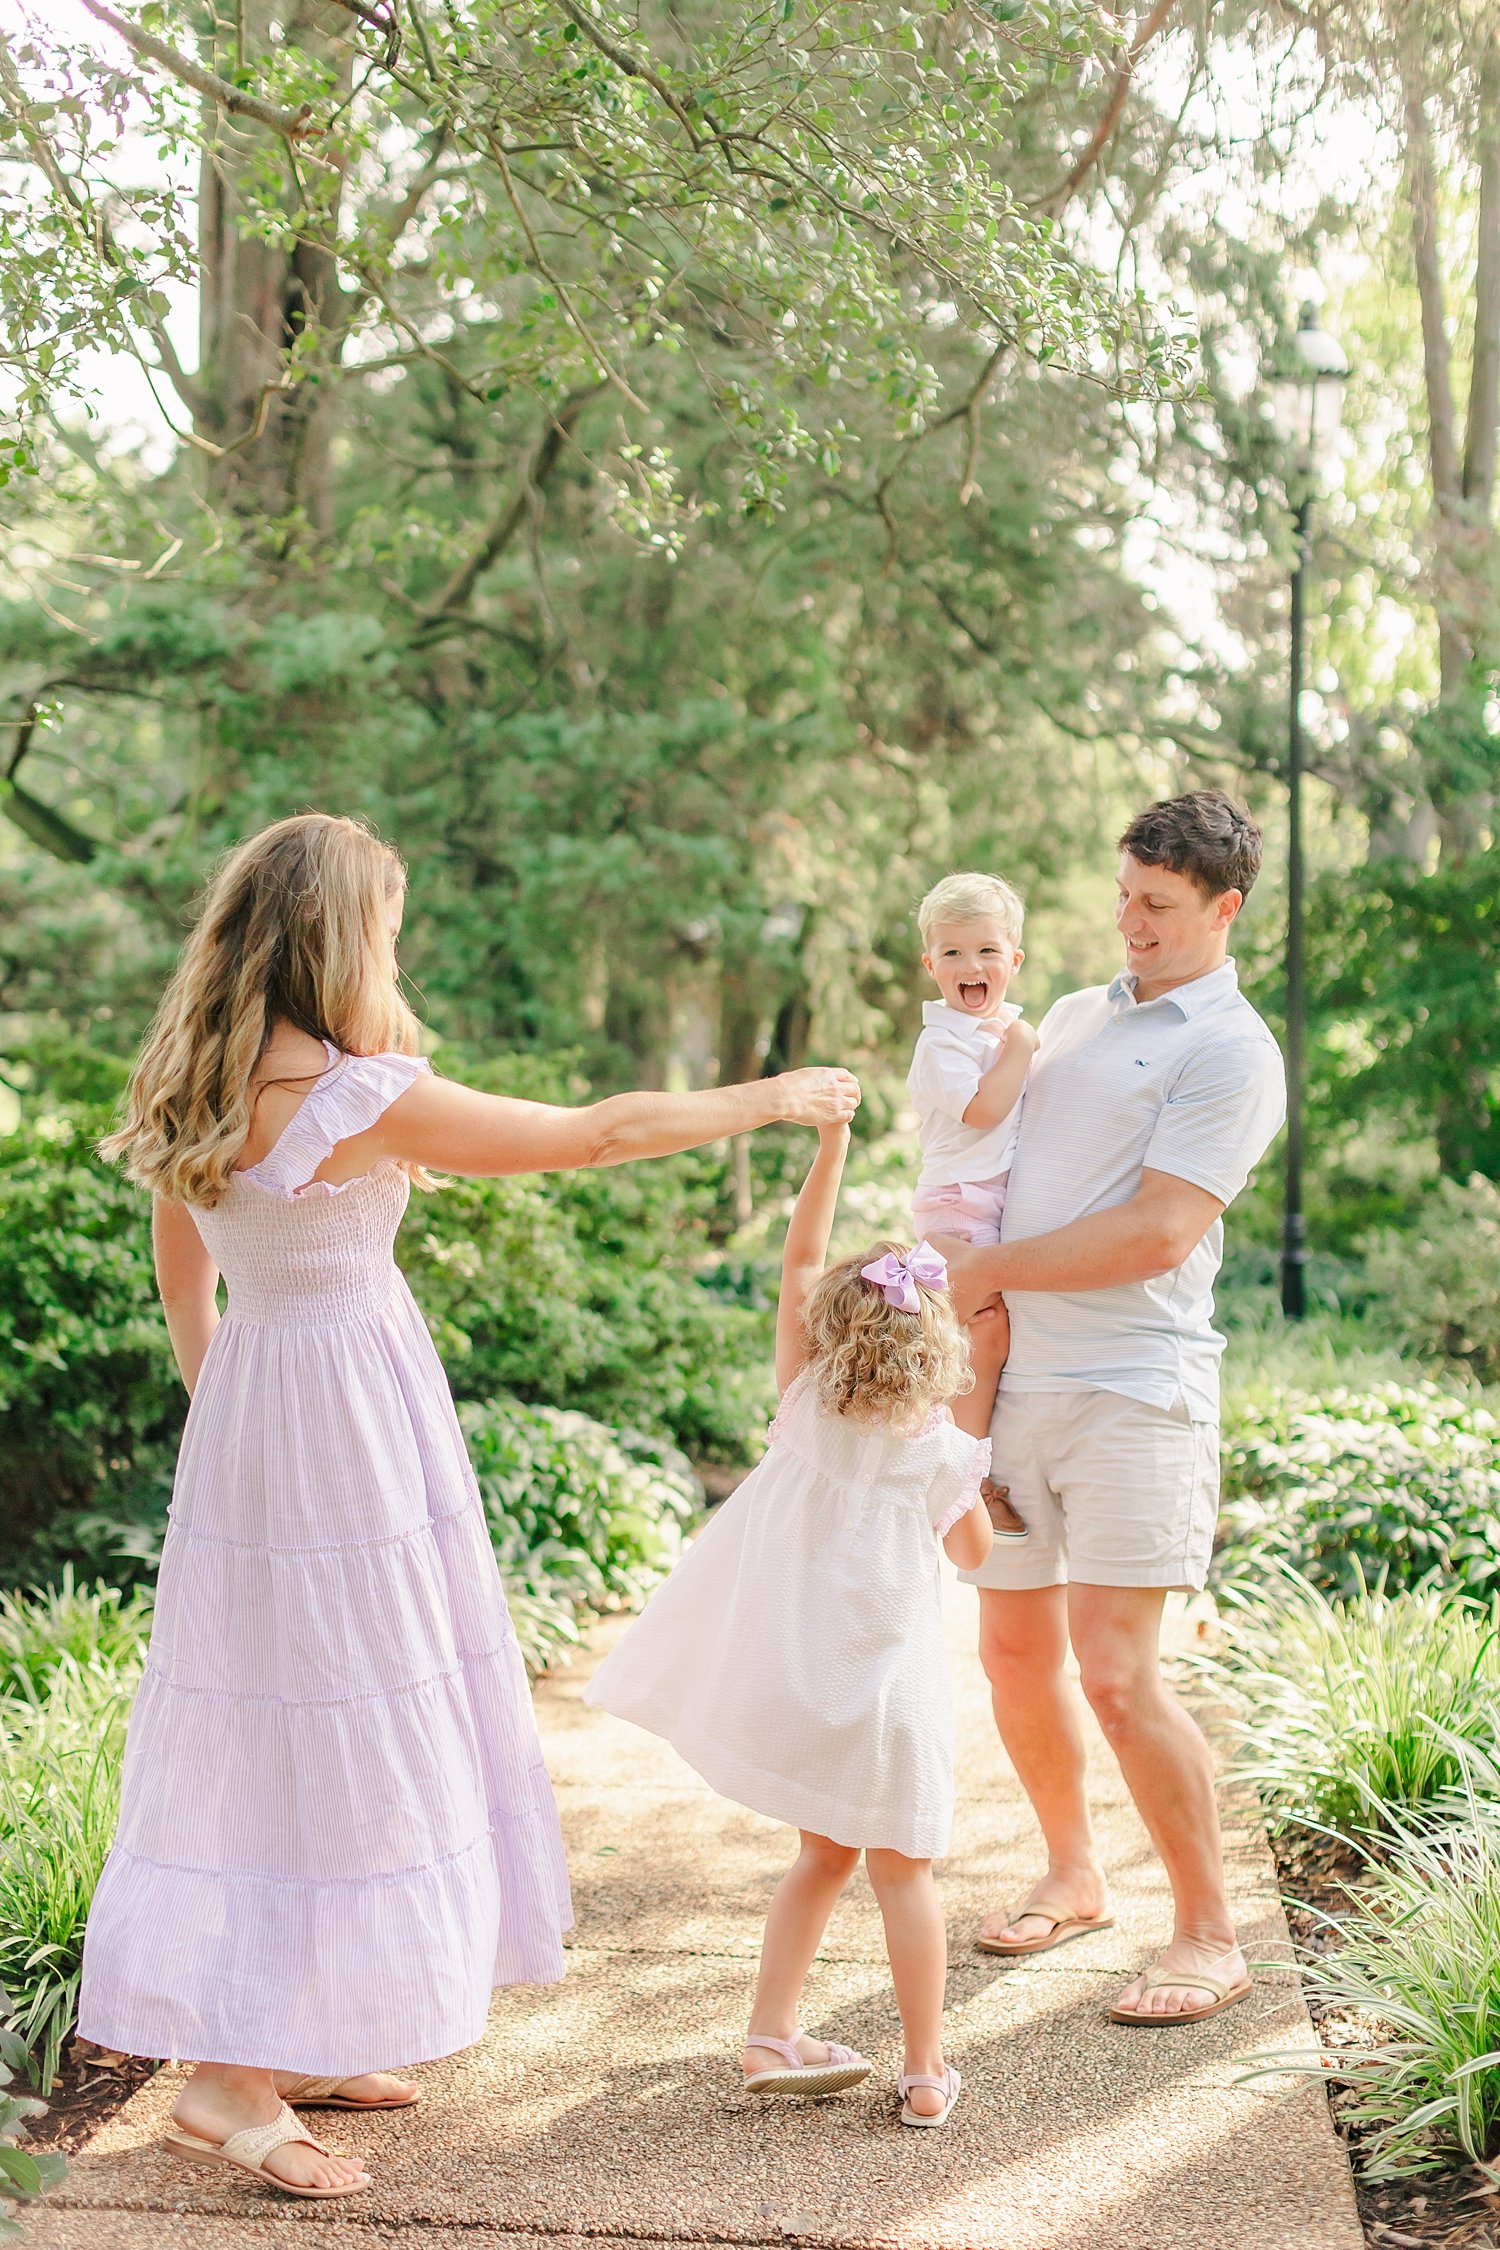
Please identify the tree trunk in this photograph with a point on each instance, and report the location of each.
(258, 297)
(742, 1015)
(1447, 477)
(1483, 422)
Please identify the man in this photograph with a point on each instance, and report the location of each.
(1148, 1104)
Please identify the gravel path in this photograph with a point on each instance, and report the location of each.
(608, 2109)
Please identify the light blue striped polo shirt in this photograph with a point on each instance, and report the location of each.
(1191, 1084)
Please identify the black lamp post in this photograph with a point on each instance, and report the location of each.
(1309, 396)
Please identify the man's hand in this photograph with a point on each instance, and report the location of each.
(971, 1282)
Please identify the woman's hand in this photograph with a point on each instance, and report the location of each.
(817, 1096)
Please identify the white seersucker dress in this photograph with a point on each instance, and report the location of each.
(795, 1655)
(337, 1833)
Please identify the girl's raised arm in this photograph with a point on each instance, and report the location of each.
(455, 1129)
(806, 1248)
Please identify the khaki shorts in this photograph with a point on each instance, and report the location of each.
(1113, 1491)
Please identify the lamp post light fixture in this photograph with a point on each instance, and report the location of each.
(1308, 399)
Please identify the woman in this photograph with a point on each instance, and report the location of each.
(336, 1832)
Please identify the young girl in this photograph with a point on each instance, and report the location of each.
(336, 1832)
(795, 1656)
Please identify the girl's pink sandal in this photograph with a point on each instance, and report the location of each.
(947, 2086)
(843, 2068)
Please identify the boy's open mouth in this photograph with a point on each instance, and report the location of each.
(974, 991)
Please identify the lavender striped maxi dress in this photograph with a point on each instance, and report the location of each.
(336, 1832)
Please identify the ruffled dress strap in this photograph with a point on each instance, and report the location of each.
(351, 1095)
(955, 1484)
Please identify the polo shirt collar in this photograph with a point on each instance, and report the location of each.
(1188, 999)
(939, 1012)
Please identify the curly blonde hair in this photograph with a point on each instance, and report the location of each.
(293, 929)
(875, 1363)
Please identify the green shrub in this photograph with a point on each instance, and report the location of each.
(577, 1290)
(1356, 1487)
(1418, 1951)
(1438, 1284)
(582, 1517)
(90, 1404)
(1346, 1710)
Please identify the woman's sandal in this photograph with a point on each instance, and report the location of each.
(947, 2086)
(1064, 1926)
(842, 2068)
(327, 2093)
(247, 2151)
(1158, 1979)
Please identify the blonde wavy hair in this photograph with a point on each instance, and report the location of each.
(875, 1363)
(294, 929)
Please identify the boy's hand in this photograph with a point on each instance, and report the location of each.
(1019, 1034)
(835, 1136)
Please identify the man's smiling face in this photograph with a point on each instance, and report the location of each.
(973, 963)
(1173, 932)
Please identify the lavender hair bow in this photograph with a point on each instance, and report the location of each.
(896, 1277)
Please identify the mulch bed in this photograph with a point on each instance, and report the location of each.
(87, 2091)
(1441, 2207)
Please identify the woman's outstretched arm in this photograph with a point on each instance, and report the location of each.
(455, 1129)
(805, 1251)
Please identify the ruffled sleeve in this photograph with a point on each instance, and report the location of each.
(347, 1099)
(955, 1484)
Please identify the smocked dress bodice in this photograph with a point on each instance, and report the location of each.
(296, 1250)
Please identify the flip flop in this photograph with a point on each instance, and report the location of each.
(1064, 1926)
(843, 2068)
(947, 2086)
(1157, 1979)
(325, 2093)
(247, 2151)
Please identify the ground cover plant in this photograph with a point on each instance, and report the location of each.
(24, 2172)
(1356, 1487)
(583, 1517)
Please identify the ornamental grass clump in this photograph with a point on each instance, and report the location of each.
(1348, 1713)
(69, 1662)
(91, 1624)
(1418, 1958)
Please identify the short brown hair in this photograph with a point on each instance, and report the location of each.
(1204, 835)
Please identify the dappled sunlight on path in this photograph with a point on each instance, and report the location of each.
(609, 2107)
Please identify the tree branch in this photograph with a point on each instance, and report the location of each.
(630, 64)
(291, 124)
(1119, 94)
(497, 538)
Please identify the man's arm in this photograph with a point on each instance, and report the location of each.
(1159, 1226)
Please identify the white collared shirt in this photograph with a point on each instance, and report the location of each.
(1192, 1084)
(953, 1053)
